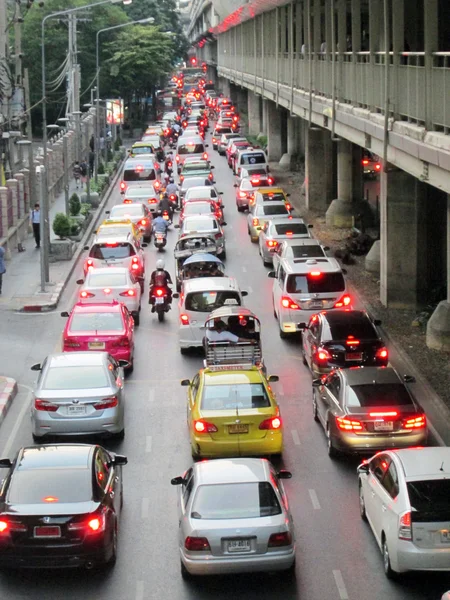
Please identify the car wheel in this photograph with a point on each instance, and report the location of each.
(147, 239)
(332, 452)
(314, 404)
(390, 574)
(362, 504)
(185, 573)
(239, 208)
(120, 436)
(137, 319)
(248, 230)
(113, 557)
(283, 335)
(131, 367)
(305, 362)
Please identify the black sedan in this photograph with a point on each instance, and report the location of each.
(60, 506)
(342, 339)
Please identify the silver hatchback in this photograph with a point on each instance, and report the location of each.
(278, 230)
(234, 517)
(78, 393)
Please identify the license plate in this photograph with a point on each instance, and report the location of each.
(239, 546)
(445, 536)
(47, 531)
(238, 428)
(160, 238)
(384, 426)
(76, 410)
(159, 300)
(315, 305)
(96, 345)
(353, 356)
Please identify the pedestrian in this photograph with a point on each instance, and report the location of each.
(83, 172)
(91, 163)
(77, 173)
(2, 266)
(35, 220)
(92, 143)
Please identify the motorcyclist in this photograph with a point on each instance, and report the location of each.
(160, 155)
(160, 278)
(160, 224)
(172, 189)
(168, 166)
(166, 205)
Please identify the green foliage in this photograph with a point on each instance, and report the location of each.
(85, 208)
(117, 143)
(101, 168)
(61, 225)
(74, 205)
(75, 226)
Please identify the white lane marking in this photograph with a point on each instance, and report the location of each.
(151, 394)
(249, 289)
(148, 444)
(145, 508)
(244, 269)
(340, 584)
(314, 499)
(18, 423)
(295, 437)
(139, 590)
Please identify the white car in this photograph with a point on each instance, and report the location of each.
(234, 517)
(405, 497)
(205, 224)
(300, 248)
(112, 283)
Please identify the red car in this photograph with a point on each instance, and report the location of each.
(105, 327)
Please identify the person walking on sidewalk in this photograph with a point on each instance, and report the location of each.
(83, 172)
(77, 173)
(35, 220)
(2, 266)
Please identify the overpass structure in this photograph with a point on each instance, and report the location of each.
(326, 79)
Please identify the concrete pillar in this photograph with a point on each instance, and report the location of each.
(224, 86)
(438, 326)
(265, 116)
(403, 278)
(292, 125)
(254, 113)
(11, 184)
(26, 190)
(4, 211)
(318, 169)
(274, 140)
(20, 194)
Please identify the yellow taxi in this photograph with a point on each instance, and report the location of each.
(270, 194)
(139, 148)
(232, 411)
(109, 228)
(155, 130)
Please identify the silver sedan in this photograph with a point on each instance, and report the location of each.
(298, 248)
(78, 393)
(259, 214)
(234, 518)
(277, 230)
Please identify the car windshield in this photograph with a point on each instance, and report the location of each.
(111, 250)
(235, 501)
(193, 225)
(325, 283)
(125, 210)
(209, 301)
(255, 158)
(378, 394)
(429, 499)
(106, 279)
(139, 173)
(75, 378)
(191, 149)
(291, 229)
(143, 149)
(96, 321)
(307, 251)
(279, 209)
(233, 397)
(36, 486)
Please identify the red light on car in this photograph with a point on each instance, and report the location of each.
(315, 273)
(269, 180)
(377, 167)
(123, 185)
(107, 290)
(273, 423)
(128, 201)
(271, 243)
(283, 538)
(143, 222)
(50, 499)
(184, 319)
(351, 341)
(177, 158)
(417, 422)
(157, 185)
(3, 526)
(138, 169)
(85, 294)
(95, 524)
(345, 424)
(323, 355)
(287, 302)
(389, 413)
(128, 293)
(288, 206)
(152, 201)
(365, 162)
(244, 195)
(255, 180)
(204, 427)
(344, 301)
(382, 353)
(255, 222)
(197, 544)
(205, 156)
(159, 292)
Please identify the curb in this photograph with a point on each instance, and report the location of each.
(7, 396)
(60, 287)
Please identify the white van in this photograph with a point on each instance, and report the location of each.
(194, 147)
(138, 171)
(249, 157)
(198, 298)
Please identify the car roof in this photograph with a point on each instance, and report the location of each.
(299, 241)
(432, 462)
(55, 455)
(119, 238)
(195, 178)
(268, 189)
(232, 470)
(202, 217)
(282, 221)
(76, 359)
(128, 205)
(326, 264)
(232, 376)
(202, 284)
(97, 307)
(368, 375)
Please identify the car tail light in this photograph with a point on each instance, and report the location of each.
(404, 526)
(345, 424)
(365, 161)
(201, 426)
(271, 243)
(255, 180)
(205, 156)
(177, 158)
(152, 201)
(283, 538)
(134, 260)
(287, 302)
(95, 523)
(378, 167)
(382, 414)
(84, 294)
(45, 405)
(157, 185)
(416, 422)
(344, 301)
(143, 222)
(255, 222)
(70, 344)
(128, 293)
(184, 319)
(350, 341)
(197, 544)
(244, 195)
(288, 206)
(214, 140)
(273, 423)
(122, 342)
(323, 355)
(106, 403)
(7, 525)
(382, 353)
(210, 176)
(128, 201)
(123, 185)
(218, 236)
(269, 180)
(89, 263)
(135, 267)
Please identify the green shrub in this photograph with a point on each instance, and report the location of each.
(85, 207)
(61, 225)
(117, 143)
(101, 169)
(74, 205)
(110, 155)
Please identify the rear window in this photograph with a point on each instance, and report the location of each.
(326, 283)
(106, 279)
(96, 321)
(258, 171)
(378, 394)
(140, 192)
(200, 225)
(274, 210)
(195, 182)
(221, 130)
(291, 229)
(198, 194)
(255, 158)
(307, 251)
(234, 397)
(191, 149)
(113, 250)
(143, 149)
(273, 196)
(191, 166)
(139, 173)
(361, 329)
(125, 210)
(35, 485)
(235, 501)
(76, 378)
(198, 208)
(430, 500)
(208, 301)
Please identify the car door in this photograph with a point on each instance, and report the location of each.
(278, 286)
(328, 398)
(108, 486)
(117, 375)
(185, 495)
(192, 396)
(263, 237)
(377, 494)
(389, 505)
(310, 339)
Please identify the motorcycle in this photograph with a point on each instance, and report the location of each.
(174, 199)
(161, 301)
(160, 240)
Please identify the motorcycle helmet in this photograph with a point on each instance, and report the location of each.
(171, 180)
(160, 265)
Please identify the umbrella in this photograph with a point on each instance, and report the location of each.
(202, 257)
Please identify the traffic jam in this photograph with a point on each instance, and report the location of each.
(234, 511)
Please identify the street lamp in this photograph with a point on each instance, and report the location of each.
(97, 88)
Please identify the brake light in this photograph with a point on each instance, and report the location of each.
(315, 274)
(143, 222)
(365, 162)
(177, 158)
(273, 423)
(123, 342)
(184, 319)
(255, 222)
(84, 294)
(45, 405)
(197, 544)
(269, 180)
(201, 426)
(6, 526)
(210, 176)
(323, 355)
(404, 527)
(389, 413)
(271, 243)
(134, 260)
(377, 167)
(351, 341)
(157, 185)
(283, 538)
(152, 201)
(3, 526)
(205, 156)
(345, 424)
(214, 140)
(417, 422)
(288, 206)
(128, 201)
(287, 302)
(123, 185)
(128, 293)
(181, 178)
(381, 353)
(344, 301)
(106, 403)
(135, 267)
(255, 180)
(89, 263)
(159, 292)
(244, 195)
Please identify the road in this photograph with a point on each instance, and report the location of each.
(337, 556)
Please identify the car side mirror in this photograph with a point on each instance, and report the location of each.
(344, 271)
(86, 248)
(177, 481)
(271, 274)
(363, 468)
(244, 293)
(206, 145)
(317, 382)
(326, 248)
(284, 474)
(119, 460)
(273, 378)
(224, 224)
(310, 225)
(123, 363)
(235, 185)
(409, 379)
(5, 463)
(36, 367)
(212, 167)
(185, 382)
(302, 326)
(176, 295)
(65, 314)
(108, 212)
(80, 281)
(288, 195)
(377, 322)
(220, 193)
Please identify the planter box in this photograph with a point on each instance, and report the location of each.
(62, 250)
